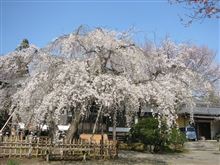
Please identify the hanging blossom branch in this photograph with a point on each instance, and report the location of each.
(199, 9)
(118, 74)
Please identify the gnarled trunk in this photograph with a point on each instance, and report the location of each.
(73, 127)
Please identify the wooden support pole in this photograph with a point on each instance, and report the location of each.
(102, 138)
(96, 121)
(114, 125)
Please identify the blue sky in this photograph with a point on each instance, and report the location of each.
(42, 21)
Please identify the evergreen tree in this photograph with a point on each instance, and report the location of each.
(24, 44)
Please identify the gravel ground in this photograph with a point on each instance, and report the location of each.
(137, 158)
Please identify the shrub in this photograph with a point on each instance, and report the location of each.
(176, 138)
(146, 131)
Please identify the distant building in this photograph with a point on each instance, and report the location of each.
(206, 119)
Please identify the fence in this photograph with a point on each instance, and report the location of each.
(43, 147)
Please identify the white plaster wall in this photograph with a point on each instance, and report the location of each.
(215, 128)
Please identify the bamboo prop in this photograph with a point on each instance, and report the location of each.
(97, 118)
(7, 122)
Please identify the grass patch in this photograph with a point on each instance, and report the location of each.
(12, 162)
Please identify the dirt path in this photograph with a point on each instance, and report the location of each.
(189, 158)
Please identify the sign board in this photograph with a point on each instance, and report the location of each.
(119, 129)
(63, 127)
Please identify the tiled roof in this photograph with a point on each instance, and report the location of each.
(202, 111)
(206, 111)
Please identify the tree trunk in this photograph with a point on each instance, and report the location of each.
(53, 128)
(73, 127)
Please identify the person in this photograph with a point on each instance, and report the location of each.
(7, 133)
(13, 131)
